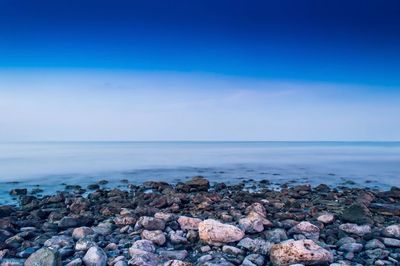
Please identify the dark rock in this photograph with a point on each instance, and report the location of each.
(357, 213)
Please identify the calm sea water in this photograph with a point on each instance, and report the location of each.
(51, 164)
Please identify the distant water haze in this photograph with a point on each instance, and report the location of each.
(50, 164)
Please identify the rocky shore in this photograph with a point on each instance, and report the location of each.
(195, 223)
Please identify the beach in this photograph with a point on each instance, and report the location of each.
(196, 222)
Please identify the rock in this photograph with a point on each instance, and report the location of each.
(373, 244)
(386, 209)
(59, 241)
(176, 237)
(391, 242)
(232, 250)
(392, 231)
(216, 233)
(307, 229)
(189, 223)
(357, 213)
(156, 236)
(326, 218)
(254, 223)
(18, 192)
(69, 222)
(276, 235)
(198, 183)
(150, 223)
(12, 262)
(345, 240)
(84, 244)
(95, 256)
(300, 251)
(359, 230)
(351, 247)
(75, 262)
(255, 245)
(44, 256)
(82, 232)
(144, 259)
(145, 245)
(174, 254)
(254, 260)
(176, 263)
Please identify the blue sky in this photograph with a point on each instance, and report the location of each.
(199, 70)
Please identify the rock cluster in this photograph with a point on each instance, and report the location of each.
(198, 223)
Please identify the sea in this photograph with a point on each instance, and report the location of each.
(51, 165)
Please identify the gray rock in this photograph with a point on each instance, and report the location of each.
(150, 223)
(373, 244)
(44, 256)
(392, 231)
(359, 230)
(307, 229)
(173, 254)
(145, 245)
(82, 232)
(351, 247)
(59, 241)
(144, 259)
(391, 242)
(12, 262)
(253, 259)
(257, 245)
(232, 250)
(75, 262)
(95, 256)
(84, 244)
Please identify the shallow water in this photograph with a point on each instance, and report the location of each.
(50, 164)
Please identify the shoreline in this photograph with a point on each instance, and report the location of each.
(195, 223)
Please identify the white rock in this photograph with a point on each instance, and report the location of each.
(95, 256)
(326, 218)
(392, 231)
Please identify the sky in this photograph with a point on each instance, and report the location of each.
(199, 70)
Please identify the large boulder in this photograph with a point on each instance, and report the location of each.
(301, 251)
(44, 256)
(216, 233)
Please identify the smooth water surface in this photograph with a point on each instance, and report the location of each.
(50, 164)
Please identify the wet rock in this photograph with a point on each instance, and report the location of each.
(189, 223)
(307, 229)
(95, 256)
(216, 233)
(357, 213)
(359, 230)
(44, 256)
(157, 236)
(300, 251)
(351, 247)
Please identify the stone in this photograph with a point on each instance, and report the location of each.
(392, 231)
(177, 263)
(12, 262)
(198, 183)
(156, 236)
(144, 259)
(59, 241)
(254, 223)
(351, 247)
(150, 223)
(44, 256)
(176, 237)
(173, 254)
(373, 244)
(84, 244)
(326, 218)
(254, 260)
(307, 229)
(359, 230)
(257, 245)
(276, 235)
(75, 262)
(386, 209)
(232, 250)
(95, 256)
(357, 213)
(145, 245)
(82, 232)
(391, 242)
(299, 251)
(216, 233)
(189, 223)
